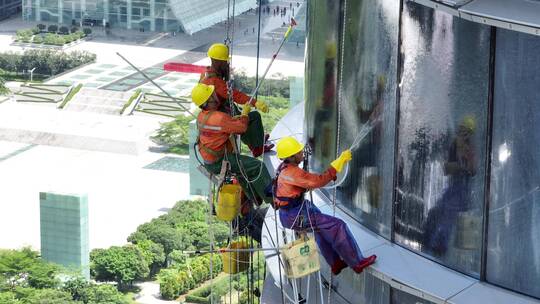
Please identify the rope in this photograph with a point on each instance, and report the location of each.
(156, 85)
(211, 198)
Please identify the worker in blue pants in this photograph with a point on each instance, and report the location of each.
(333, 237)
(461, 167)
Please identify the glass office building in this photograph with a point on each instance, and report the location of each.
(9, 8)
(187, 16)
(440, 100)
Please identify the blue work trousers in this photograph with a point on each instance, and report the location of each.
(332, 234)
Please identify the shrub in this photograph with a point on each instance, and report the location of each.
(174, 134)
(49, 38)
(80, 34)
(74, 29)
(52, 28)
(24, 35)
(38, 39)
(59, 40)
(64, 30)
(46, 62)
(41, 27)
(87, 31)
(35, 31)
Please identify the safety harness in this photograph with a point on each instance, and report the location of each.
(281, 201)
(205, 129)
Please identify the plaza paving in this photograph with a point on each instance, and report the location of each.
(122, 193)
(45, 149)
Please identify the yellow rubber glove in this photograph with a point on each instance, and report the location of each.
(261, 106)
(246, 109)
(340, 162)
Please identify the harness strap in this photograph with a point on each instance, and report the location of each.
(284, 202)
(202, 125)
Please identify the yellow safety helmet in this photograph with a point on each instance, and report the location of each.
(288, 146)
(469, 123)
(200, 93)
(331, 50)
(219, 51)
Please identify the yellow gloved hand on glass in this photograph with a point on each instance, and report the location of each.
(340, 162)
(261, 106)
(246, 109)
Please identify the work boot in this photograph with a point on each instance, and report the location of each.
(338, 266)
(266, 147)
(364, 263)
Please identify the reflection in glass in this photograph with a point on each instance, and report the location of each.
(321, 82)
(444, 95)
(363, 288)
(513, 256)
(400, 297)
(367, 110)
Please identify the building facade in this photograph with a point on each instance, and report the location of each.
(440, 102)
(64, 230)
(187, 16)
(9, 8)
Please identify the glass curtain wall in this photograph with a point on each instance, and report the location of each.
(147, 14)
(401, 297)
(367, 110)
(442, 137)
(321, 73)
(513, 256)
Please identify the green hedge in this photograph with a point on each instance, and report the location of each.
(196, 299)
(45, 62)
(70, 96)
(181, 278)
(130, 100)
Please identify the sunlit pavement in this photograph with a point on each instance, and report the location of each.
(122, 193)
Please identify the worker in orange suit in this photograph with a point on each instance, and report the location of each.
(333, 237)
(217, 74)
(215, 143)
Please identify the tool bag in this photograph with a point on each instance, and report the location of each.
(301, 258)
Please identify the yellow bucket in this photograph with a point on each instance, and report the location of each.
(229, 202)
(235, 262)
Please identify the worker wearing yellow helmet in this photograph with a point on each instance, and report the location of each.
(335, 241)
(217, 74)
(215, 143)
(460, 168)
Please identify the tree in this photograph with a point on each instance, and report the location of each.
(174, 134)
(103, 294)
(41, 27)
(120, 264)
(161, 233)
(74, 29)
(43, 275)
(153, 254)
(49, 296)
(8, 298)
(14, 265)
(77, 287)
(52, 28)
(89, 293)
